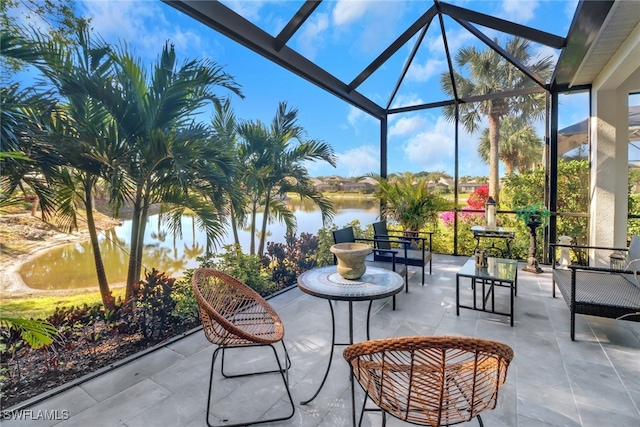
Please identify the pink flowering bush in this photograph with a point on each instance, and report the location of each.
(476, 201)
(466, 219)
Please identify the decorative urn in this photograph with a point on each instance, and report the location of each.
(351, 259)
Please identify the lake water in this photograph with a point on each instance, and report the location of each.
(72, 266)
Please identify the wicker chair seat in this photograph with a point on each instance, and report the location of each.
(232, 313)
(431, 381)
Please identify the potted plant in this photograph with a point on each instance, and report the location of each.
(408, 200)
(536, 212)
(533, 216)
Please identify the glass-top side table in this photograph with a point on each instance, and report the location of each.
(498, 273)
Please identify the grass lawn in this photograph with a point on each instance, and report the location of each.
(43, 306)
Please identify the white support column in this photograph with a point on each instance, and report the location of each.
(609, 169)
(609, 146)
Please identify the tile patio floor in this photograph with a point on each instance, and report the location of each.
(594, 381)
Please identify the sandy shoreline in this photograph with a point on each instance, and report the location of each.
(49, 237)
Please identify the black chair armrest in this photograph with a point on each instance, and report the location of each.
(600, 269)
(407, 239)
(392, 252)
(428, 233)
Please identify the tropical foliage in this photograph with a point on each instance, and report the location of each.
(131, 130)
(489, 72)
(519, 147)
(271, 161)
(408, 200)
(527, 189)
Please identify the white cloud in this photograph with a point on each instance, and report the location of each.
(518, 10)
(456, 39)
(434, 148)
(431, 146)
(424, 72)
(359, 161)
(141, 24)
(407, 125)
(365, 37)
(144, 27)
(347, 11)
(356, 117)
(406, 100)
(248, 9)
(311, 34)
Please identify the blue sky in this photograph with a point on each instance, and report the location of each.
(340, 38)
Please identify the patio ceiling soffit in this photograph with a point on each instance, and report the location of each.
(229, 23)
(587, 23)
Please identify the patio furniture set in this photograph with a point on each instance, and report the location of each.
(424, 380)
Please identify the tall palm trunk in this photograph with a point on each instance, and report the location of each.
(133, 252)
(265, 219)
(234, 226)
(252, 247)
(494, 137)
(103, 284)
(141, 231)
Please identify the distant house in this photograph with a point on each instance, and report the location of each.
(349, 185)
(443, 185)
(470, 187)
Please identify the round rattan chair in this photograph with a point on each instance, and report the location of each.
(235, 316)
(431, 381)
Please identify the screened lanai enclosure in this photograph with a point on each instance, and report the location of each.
(549, 111)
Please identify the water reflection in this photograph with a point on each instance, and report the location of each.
(72, 266)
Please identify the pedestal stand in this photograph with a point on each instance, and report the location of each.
(532, 260)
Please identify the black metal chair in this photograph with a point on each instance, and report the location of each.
(386, 239)
(346, 235)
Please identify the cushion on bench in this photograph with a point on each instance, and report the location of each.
(599, 294)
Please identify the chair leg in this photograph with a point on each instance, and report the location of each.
(284, 373)
(480, 421)
(287, 361)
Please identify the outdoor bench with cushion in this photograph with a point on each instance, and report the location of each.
(600, 291)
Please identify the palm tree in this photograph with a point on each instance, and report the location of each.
(519, 147)
(407, 199)
(170, 160)
(272, 166)
(224, 132)
(29, 159)
(490, 73)
(78, 130)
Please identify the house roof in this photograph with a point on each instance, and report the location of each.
(577, 134)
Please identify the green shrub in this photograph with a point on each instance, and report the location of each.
(153, 302)
(186, 304)
(246, 268)
(288, 260)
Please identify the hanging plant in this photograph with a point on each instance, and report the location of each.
(537, 211)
